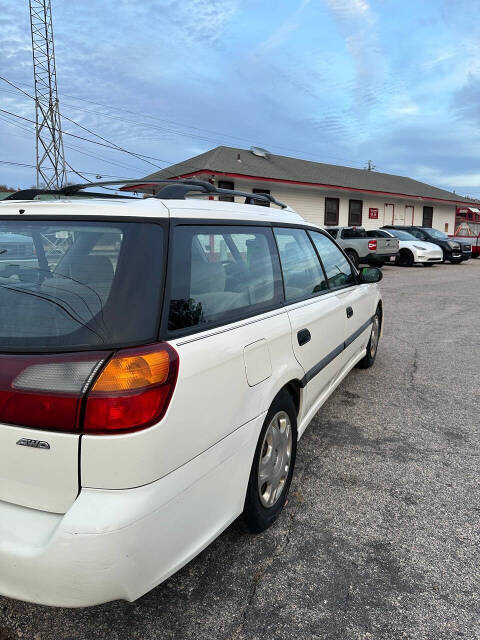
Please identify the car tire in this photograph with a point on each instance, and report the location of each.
(270, 478)
(353, 256)
(372, 346)
(475, 255)
(405, 258)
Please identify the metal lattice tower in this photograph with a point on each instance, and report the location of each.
(51, 169)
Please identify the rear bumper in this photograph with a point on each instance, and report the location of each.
(378, 258)
(119, 544)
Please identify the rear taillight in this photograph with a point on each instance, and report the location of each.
(93, 392)
(133, 390)
(372, 245)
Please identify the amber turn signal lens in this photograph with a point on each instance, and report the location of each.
(126, 373)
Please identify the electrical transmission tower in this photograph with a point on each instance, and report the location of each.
(51, 169)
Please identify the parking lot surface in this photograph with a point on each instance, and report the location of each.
(380, 538)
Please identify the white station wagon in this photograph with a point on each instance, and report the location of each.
(159, 361)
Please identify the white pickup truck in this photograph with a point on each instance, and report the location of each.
(361, 249)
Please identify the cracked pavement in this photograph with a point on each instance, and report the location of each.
(380, 537)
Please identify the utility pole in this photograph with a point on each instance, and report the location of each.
(50, 158)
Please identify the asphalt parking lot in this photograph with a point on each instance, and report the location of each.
(381, 535)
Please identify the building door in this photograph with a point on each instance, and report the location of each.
(389, 213)
(398, 214)
(409, 214)
(427, 217)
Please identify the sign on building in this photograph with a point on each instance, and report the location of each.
(373, 213)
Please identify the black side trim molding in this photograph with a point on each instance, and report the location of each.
(315, 370)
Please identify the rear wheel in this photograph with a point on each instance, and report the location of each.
(272, 467)
(475, 255)
(405, 258)
(353, 257)
(372, 346)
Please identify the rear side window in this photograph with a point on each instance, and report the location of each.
(220, 274)
(78, 284)
(351, 234)
(302, 272)
(338, 269)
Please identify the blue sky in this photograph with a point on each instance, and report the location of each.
(338, 81)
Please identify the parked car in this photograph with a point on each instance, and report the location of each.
(453, 251)
(412, 251)
(472, 240)
(361, 249)
(16, 252)
(155, 379)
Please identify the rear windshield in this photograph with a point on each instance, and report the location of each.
(351, 234)
(68, 285)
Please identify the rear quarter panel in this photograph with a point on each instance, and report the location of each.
(212, 399)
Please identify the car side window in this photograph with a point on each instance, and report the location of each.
(338, 269)
(332, 232)
(302, 273)
(222, 273)
(418, 234)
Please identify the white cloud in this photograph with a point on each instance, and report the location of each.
(357, 24)
(349, 7)
(282, 34)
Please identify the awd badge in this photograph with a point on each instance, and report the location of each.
(36, 444)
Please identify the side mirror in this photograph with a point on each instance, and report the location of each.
(370, 274)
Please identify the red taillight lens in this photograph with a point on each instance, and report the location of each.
(46, 391)
(133, 390)
(372, 245)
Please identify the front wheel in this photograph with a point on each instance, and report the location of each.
(372, 346)
(272, 467)
(405, 258)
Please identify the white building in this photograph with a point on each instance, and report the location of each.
(324, 194)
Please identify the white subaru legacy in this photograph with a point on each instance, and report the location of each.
(411, 249)
(159, 360)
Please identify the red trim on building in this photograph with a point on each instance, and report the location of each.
(312, 184)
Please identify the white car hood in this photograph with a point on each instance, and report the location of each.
(419, 244)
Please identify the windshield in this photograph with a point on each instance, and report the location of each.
(402, 235)
(436, 234)
(77, 284)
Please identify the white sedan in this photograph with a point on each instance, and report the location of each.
(411, 249)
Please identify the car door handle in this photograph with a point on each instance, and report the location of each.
(303, 336)
(349, 312)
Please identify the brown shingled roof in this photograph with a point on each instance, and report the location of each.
(284, 168)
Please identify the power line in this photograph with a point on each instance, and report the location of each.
(87, 173)
(184, 133)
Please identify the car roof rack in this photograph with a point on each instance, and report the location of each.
(173, 190)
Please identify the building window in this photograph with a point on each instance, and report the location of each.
(332, 206)
(355, 213)
(262, 203)
(427, 217)
(226, 184)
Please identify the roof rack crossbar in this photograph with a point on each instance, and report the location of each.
(173, 189)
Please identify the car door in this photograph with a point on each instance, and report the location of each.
(356, 302)
(315, 312)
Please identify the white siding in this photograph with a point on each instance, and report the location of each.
(310, 204)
